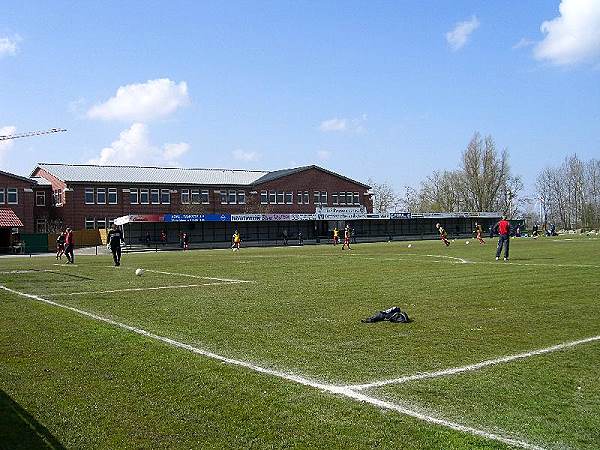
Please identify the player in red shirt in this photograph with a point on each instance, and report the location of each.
(503, 228)
(346, 238)
(443, 234)
(69, 246)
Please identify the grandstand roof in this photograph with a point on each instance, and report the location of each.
(86, 173)
(80, 173)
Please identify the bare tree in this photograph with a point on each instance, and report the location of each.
(384, 197)
(482, 183)
(571, 193)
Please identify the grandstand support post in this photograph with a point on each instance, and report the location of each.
(96, 249)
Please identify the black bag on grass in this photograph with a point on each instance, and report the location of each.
(393, 314)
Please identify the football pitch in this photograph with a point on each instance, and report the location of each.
(264, 348)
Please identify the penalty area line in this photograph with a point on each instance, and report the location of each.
(227, 280)
(152, 288)
(472, 367)
(342, 391)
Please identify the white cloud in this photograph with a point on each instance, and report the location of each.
(458, 37)
(142, 102)
(344, 125)
(574, 36)
(246, 156)
(6, 145)
(134, 147)
(524, 42)
(323, 155)
(9, 45)
(334, 124)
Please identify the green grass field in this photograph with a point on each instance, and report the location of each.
(289, 321)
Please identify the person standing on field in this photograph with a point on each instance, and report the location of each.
(478, 233)
(60, 245)
(336, 236)
(503, 228)
(346, 238)
(69, 246)
(115, 237)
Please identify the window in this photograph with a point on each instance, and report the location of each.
(133, 196)
(232, 197)
(323, 198)
(111, 222)
(334, 198)
(100, 222)
(299, 197)
(40, 225)
(272, 197)
(241, 197)
(40, 198)
(306, 198)
(2, 199)
(280, 197)
(57, 196)
(11, 196)
(89, 223)
(356, 198)
(223, 197)
(89, 196)
(144, 196)
(154, 196)
(204, 197)
(264, 197)
(165, 196)
(289, 198)
(349, 198)
(101, 196)
(185, 196)
(112, 196)
(317, 198)
(195, 196)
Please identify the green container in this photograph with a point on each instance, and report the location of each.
(35, 242)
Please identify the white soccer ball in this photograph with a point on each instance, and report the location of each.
(235, 249)
(409, 245)
(467, 242)
(139, 272)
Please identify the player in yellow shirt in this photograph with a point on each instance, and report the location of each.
(336, 236)
(236, 240)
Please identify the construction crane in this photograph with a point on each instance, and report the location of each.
(31, 133)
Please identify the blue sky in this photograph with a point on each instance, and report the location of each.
(383, 90)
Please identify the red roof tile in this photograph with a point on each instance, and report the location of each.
(9, 219)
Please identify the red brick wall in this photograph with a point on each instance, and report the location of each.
(313, 180)
(24, 208)
(74, 210)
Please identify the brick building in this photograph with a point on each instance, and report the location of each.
(90, 196)
(28, 198)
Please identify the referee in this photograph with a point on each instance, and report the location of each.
(115, 237)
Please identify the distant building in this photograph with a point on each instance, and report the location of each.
(91, 196)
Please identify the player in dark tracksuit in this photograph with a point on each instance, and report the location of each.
(115, 237)
(503, 228)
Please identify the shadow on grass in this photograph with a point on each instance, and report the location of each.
(20, 430)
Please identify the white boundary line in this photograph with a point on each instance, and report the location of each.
(472, 367)
(228, 280)
(343, 391)
(155, 288)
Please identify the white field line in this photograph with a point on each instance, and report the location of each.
(473, 367)
(343, 391)
(154, 288)
(227, 280)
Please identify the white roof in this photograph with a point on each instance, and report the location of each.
(150, 175)
(41, 181)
